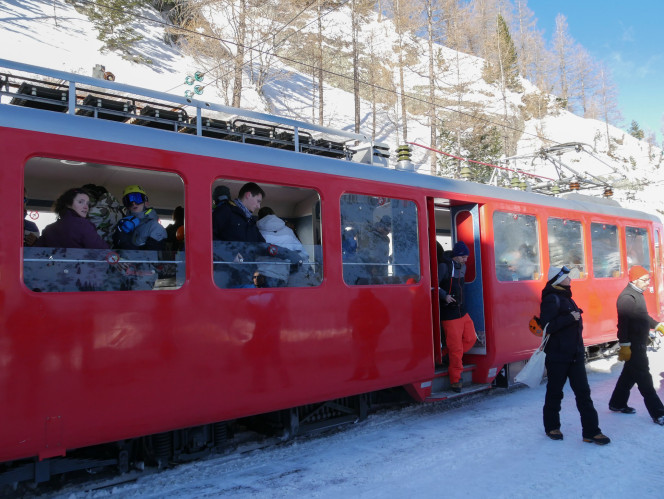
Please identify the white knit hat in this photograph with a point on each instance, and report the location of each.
(558, 274)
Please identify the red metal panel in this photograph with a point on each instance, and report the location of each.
(113, 365)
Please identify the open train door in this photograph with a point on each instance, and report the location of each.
(466, 228)
(449, 224)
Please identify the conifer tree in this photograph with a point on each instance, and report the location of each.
(636, 131)
(113, 21)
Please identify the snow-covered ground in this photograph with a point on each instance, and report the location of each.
(493, 446)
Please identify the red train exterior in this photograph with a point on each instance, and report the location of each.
(85, 368)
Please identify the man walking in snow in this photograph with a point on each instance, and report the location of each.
(634, 325)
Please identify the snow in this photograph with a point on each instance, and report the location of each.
(489, 446)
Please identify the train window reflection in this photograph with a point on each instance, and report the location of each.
(379, 240)
(265, 236)
(90, 237)
(606, 250)
(566, 244)
(638, 247)
(517, 246)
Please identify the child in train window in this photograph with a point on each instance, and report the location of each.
(140, 229)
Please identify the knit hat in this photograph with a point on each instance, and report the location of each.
(221, 193)
(637, 272)
(557, 275)
(460, 249)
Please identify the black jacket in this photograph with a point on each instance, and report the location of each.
(229, 223)
(451, 280)
(565, 343)
(634, 323)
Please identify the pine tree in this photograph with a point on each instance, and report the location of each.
(636, 131)
(504, 66)
(480, 141)
(113, 21)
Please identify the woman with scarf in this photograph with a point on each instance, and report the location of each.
(565, 358)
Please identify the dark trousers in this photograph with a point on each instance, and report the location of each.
(557, 374)
(637, 371)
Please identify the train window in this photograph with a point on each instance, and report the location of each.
(566, 244)
(73, 254)
(516, 246)
(606, 250)
(379, 240)
(280, 246)
(637, 247)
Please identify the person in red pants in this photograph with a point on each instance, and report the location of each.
(456, 323)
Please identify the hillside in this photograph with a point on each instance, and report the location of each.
(55, 35)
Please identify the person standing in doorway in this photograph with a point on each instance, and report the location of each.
(456, 324)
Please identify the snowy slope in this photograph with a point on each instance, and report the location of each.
(54, 35)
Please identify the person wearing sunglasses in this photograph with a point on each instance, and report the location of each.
(565, 357)
(140, 228)
(634, 325)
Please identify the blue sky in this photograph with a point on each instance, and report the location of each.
(629, 38)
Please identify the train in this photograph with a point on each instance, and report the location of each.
(108, 358)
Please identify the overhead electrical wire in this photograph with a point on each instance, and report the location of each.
(332, 73)
(327, 71)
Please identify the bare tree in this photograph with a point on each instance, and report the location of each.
(607, 101)
(586, 78)
(563, 45)
(402, 12)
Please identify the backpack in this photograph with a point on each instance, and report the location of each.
(535, 325)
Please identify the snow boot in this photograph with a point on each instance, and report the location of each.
(599, 439)
(554, 435)
(624, 410)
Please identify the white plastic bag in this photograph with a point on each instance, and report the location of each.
(531, 374)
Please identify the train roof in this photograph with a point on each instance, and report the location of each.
(69, 121)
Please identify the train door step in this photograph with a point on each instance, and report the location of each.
(447, 393)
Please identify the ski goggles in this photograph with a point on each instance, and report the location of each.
(133, 197)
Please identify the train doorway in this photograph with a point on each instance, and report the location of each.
(449, 224)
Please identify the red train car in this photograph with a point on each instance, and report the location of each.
(164, 348)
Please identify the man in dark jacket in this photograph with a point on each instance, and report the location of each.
(565, 358)
(634, 325)
(456, 323)
(234, 220)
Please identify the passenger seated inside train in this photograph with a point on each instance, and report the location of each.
(275, 231)
(140, 228)
(30, 229)
(235, 220)
(373, 249)
(175, 231)
(72, 229)
(105, 211)
(244, 244)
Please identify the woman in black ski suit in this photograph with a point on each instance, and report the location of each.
(565, 358)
